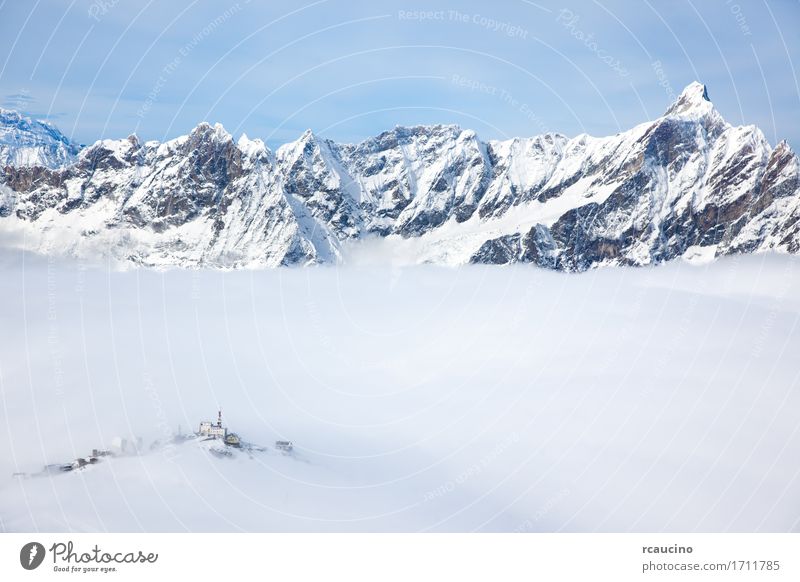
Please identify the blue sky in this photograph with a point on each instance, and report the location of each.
(348, 70)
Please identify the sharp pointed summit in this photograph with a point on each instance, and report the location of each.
(207, 131)
(693, 101)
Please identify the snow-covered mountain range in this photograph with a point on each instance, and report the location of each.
(29, 142)
(687, 184)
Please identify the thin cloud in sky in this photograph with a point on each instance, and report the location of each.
(349, 70)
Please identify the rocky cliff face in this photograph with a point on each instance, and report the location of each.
(687, 184)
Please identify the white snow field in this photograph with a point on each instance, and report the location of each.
(418, 399)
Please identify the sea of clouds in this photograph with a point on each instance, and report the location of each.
(418, 398)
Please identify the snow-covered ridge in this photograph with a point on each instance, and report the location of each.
(687, 183)
(28, 142)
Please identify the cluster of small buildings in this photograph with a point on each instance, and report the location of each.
(216, 430)
(124, 447)
(119, 447)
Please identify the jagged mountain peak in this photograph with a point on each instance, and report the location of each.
(307, 139)
(686, 184)
(10, 114)
(252, 147)
(206, 130)
(402, 135)
(543, 141)
(30, 142)
(696, 91)
(10, 117)
(437, 130)
(784, 147)
(306, 144)
(115, 153)
(693, 101)
(429, 129)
